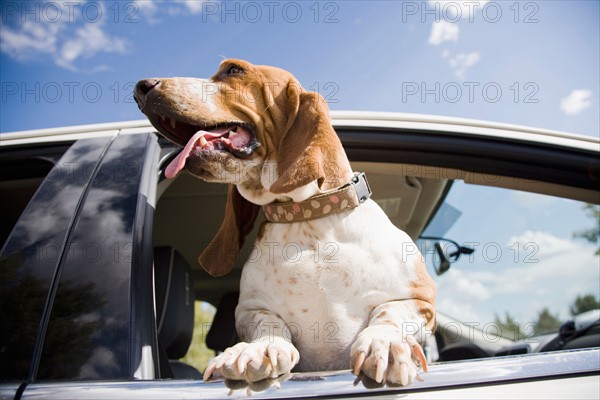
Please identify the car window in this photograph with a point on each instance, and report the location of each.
(21, 174)
(69, 264)
(30, 256)
(534, 263)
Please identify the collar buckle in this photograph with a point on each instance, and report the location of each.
(361, 186)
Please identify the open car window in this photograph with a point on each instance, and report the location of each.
(530, 264)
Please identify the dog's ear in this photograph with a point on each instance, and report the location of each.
(219, 256)
(310, 150)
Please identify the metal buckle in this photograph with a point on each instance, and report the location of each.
(361, 186)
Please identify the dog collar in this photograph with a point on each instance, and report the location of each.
(349, 196)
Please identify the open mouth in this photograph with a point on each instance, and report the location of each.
(237, 138)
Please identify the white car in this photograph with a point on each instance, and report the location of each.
(98, 270)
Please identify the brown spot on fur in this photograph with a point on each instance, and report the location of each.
(305, 310)
(390, 322)
(293, 280)
(423, 293)
(308, 234)
(261, 231)
(382, 314)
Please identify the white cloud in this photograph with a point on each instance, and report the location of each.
(447, 15)
(453, 9)
(147, 6)
(88, 41)
(537, 270)
(547, 244)
(458, 295)
(443, 31)
(193, 6)
(29, 39)
(69, 40)
(532, 200)
(148, 10)
(465, 287)
(461, 62)
(445, 28)
(65, 41)
(577, 101)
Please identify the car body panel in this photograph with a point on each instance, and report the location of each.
(500, 377)
(340, 119)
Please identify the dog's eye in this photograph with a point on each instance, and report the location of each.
(234, 70)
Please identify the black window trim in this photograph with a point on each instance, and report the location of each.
(489, 155)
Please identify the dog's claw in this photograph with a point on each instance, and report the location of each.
(360, 360)
(379, 371)
(403, 374)
(209, 371)
(417, 352)
(241, 363)
(273, 357)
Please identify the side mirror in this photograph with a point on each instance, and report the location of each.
(446, 252)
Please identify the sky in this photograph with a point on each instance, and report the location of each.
(532, 63)
(526, 256)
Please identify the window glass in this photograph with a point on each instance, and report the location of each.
(534, 265)
(32, 251)
(19, 180)
(90, 327)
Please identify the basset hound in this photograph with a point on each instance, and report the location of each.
(328, 286)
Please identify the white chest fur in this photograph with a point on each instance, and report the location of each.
(323, 278)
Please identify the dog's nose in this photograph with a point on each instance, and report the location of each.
(142, 88)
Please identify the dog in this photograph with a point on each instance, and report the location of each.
(331, 288)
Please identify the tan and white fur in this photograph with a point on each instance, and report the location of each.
(324, 294)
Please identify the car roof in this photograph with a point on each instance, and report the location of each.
(340, 119)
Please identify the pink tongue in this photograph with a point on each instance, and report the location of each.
(179, 162)
(241, 139)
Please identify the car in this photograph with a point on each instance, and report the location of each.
(100, 282)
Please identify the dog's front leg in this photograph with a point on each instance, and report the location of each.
(387, 350)
(267, 351)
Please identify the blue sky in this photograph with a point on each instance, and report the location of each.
(529, 63)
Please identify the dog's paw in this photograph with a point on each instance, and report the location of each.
(252, 362)
(384, 355)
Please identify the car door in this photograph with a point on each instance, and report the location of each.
(74, 271)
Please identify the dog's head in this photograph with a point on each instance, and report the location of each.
(251, 126)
